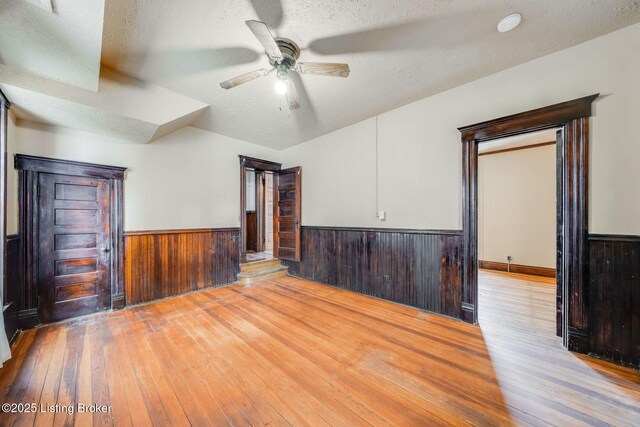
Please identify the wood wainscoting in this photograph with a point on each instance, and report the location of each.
(160, 264)
(14, 284)
(418, 268)
(614, 292)
(518, 268)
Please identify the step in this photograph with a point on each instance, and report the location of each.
(248, 267)
(256, 276)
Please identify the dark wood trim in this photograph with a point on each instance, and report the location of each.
(552, 116)
(29, 167)
(4, 101)
(28, 318)
(518, 268)
(13, 283)
(259, 164)
(177, 231)
(385, 230)
(9, 314)
(243, 208)
(573, 117)
(575, 242)
(117, 301)
(260, 211)
(614, 238)
(469, 290)
(67, 167)
(524, 147)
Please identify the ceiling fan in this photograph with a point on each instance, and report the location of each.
(283, 56)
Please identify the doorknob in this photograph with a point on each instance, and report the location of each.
(105, 249)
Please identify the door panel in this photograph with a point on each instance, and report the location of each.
(74, 246)
(287, 213)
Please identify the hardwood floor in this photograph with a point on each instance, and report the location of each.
(294, 352)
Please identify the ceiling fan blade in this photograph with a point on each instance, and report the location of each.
(292, 95)
(269, 12)
(262, 33)
(244, 78)
(444, 31)
(323, 69)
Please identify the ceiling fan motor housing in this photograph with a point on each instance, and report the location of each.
(291, 53)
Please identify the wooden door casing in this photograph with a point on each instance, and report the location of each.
(268, 212)
(572, 185)
(74, 267)
(287, 214)
(247, 163)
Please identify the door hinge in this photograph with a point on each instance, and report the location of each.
(38, 190)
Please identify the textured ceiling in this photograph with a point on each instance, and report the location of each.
(399, 51)
(173, 54)
(63, 45)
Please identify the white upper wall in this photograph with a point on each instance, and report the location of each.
(12, 178)
(517, 207)
(419, 145)
(187, 179)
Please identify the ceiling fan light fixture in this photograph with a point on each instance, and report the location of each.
(510, 22)
(281, 87)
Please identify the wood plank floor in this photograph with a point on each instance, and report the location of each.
(294, 352)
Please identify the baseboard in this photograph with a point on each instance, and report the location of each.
(578, 340)
(518, 268)
(468, 312)
(117, 301)
(28, 318)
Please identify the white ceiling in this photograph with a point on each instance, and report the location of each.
(63, 44)
(398, 51)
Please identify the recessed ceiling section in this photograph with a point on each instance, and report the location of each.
(124, 108)
(61, 43)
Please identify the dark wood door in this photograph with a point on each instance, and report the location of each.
(287, 213)
(74, 263)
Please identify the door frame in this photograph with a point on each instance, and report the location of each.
(29, 167)
(258, 165)
(572, 219)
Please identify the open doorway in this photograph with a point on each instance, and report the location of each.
(572, 143)
(270, 211)
(258, 214)
(517, 254)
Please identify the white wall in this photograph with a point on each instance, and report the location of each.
(188, 179)
(419, 149)
(338, 177)
(517, 206)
